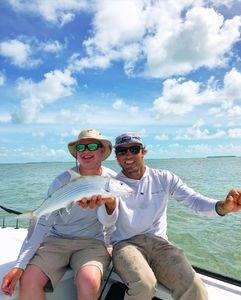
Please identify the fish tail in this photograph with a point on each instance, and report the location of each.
(26, 215)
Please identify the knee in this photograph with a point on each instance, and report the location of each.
(142, 286)
(32, 279)
(196, 290)
(146, 287)
(89, 285)
(134, 271)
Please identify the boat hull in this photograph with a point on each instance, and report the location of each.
(11, 240)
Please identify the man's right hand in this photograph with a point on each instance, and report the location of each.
(92, 202)
(10, 280)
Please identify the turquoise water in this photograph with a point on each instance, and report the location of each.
(210, 243)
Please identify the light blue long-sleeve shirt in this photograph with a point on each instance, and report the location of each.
(74, 223)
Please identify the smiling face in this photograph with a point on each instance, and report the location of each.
(90, 160)
(132, 163)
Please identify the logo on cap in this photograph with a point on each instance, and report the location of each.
(125, 139)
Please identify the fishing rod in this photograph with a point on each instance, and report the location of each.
(10, 211)
(102, 291)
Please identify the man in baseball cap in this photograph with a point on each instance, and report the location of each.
(142, 254)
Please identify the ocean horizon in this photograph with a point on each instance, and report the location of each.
(114, 160)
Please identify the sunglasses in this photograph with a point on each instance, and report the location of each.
(91, 147)
(123, 150)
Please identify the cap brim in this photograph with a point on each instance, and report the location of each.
(127, 143)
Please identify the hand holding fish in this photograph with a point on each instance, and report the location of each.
(97, 200)
(10, 280)
(232, 203)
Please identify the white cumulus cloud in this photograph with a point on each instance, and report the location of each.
(163, 39)
(58, 12)
(177, 98)
(180, 97)
(234, 133)
(196, 132)
(120, 104)
(18, 52)
(54, 86)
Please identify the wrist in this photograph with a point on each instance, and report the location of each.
(219, 208)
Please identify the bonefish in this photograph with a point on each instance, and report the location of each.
(76, 189)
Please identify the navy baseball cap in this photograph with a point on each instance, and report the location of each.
(128, 138)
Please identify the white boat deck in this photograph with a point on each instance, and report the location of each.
(11, 240)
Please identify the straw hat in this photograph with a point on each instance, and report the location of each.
(91, 134)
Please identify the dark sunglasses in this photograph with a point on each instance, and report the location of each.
(123, 150)
(91, 147)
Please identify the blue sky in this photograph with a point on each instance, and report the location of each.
(169, 70)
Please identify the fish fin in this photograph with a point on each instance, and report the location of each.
(26, 215)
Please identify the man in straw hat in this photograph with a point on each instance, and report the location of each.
(72, 238)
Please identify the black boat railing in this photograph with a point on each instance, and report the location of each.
(10, 211)
(217, 276)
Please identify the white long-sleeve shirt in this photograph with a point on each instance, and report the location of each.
(76, 222)
(145, 211)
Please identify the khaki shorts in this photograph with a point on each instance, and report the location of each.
(56, 255)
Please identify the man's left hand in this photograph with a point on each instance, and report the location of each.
(232, 202)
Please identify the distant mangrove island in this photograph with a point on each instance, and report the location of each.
(218, 156)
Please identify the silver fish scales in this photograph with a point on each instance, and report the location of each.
(78, 188)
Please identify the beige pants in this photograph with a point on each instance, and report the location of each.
(143, 260)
